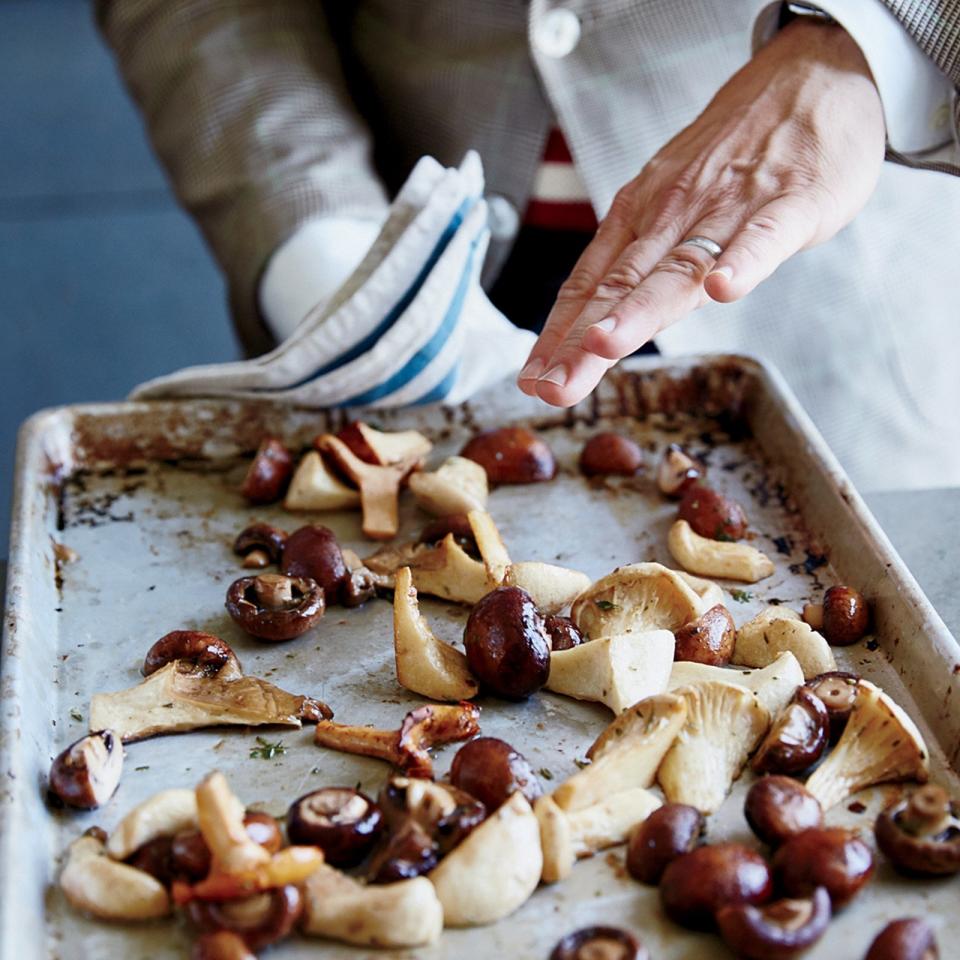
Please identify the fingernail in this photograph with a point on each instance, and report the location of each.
(556, 375)
(606, 325)
(725, 272)
(532, 370)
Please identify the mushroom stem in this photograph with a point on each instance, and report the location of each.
(927, 813)
(273, 590)
(220, 815)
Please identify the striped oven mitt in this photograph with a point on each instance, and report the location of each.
(411, 325)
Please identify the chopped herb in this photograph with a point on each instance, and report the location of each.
(606, 604)
(721, 534)
(267, 750)
(167, 706)
(314, 769)
(76, 715)
(545, 773)
(741, 596)
(138, 769)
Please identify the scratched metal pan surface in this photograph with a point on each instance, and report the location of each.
(146, 496)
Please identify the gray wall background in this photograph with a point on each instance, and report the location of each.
(104, 282)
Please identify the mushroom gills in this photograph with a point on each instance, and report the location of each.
(879, 744)
(617, 671)
(627, 754)
(724, 724)
(180, 697)
(458, 485)
(315, 487)
(552, 588)
(425, 664)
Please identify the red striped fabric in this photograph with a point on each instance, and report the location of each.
(559, 200)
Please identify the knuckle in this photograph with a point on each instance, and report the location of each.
(621, 281)
(578, 286)
(680, 263)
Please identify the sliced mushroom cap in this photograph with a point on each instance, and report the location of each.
(774, 685)
(94, 883)
(263, 538)
(268, 474)
(637, 597)
(552, 588)
(494, 871)
(920, 834)
(87, 773)
(163, 815)
(403, 914)
(458, 485)
(724, 723)
(258, 920)
(717, 558)
(909, 938)
(617, 671)
(796, 739)
(316, 487)
(880, 744)
(777, 630)
(425, 664)
(211, 654)
(600, 943)
(627, 753)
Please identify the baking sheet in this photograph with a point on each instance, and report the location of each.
(147, 497)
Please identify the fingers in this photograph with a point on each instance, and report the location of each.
(613, 234)
(772, 235)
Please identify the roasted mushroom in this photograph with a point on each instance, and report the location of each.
(837, 691)
(906, 939)
(258, 921)
(599, 943)
(384, 447)
(880, 744)
(920, 834)
(668, 833)
(222, 945)
(406, 748)
(268, 475)
(712, 558)
(341, 821)
(87, 773)
(315, 487)
(511, 455)
(551, 587)
(211, 655)
(165, 814)
(607, 454)
(708, 639)
(506, 643)
(563, 632)
(778, 808)
(846, 616)
(823, 857)
(779, 931)
(776, 630)
(260, 544)
(711, 514)
(677, 471)
(696, 885)
(275, 607)
(458, 486)
(313, 553)
(796, 739)
(492, 771)
(409, 851)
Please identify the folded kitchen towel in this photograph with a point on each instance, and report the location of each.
(411, 325)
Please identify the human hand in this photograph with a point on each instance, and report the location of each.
(783, 157)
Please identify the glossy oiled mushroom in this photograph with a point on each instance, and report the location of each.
(269, 473)
(341, 821)
(87, 773)
(210, 654)
(779, 931)
(275, 607)
(920, 834)
(258, 920)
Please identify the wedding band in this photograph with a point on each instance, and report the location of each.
(705, 244)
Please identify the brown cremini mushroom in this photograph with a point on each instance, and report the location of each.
(920, 834)
(212, 656)
(191, 858)
(668, 833)
(797, 738)
(779, 931)
(87, 773)
(406, 748)
(260, 544)
(312, 552)
(828, 857)
(563, 632)
(708, 639)
(846, 616)
(341, 821)
(711, 514)
(837, 691)
(269, 474)
(907, 939)
(512, 455)
(492, 771)
(600, 943)
(258, 921)
(778, 808)
(222, 945)
(275, 607)
(607, 454)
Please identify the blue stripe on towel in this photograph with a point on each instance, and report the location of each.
(440, 391)
(423, 357)
(401, 305)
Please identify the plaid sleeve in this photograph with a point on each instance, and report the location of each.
(248, 110)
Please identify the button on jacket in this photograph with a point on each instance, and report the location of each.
(267, 114)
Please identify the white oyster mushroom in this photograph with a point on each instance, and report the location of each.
(407, 913)
(879, 744)
(717, 558)
(162, 815)
(724, 724)
(627, 754)
(425, 664)
(458, 485)
(552, 588)
(774, 685)
(709, 592)
(494, 870)
(777, 630)
(617, 671)
(566, 836)
(492, 549)
(109, 890)
(634, 598)
(450, 573)
(315, 487)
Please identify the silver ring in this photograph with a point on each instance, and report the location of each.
(705, 244)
